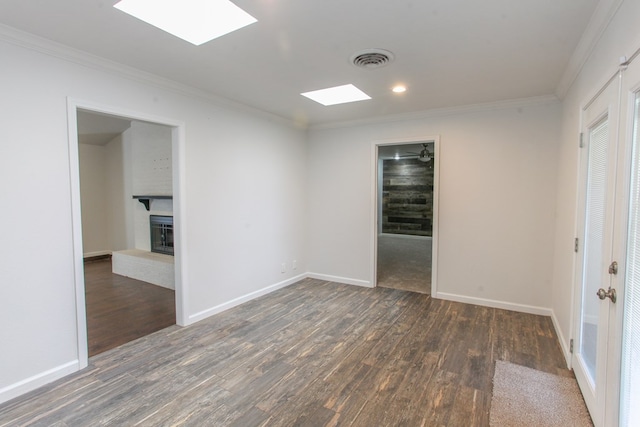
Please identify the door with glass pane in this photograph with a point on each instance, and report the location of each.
(607, 359)
(597, 200)
(628, 250)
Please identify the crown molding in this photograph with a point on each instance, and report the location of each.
(60, 51)
(440, 112)
(66, 53)
(602, 16)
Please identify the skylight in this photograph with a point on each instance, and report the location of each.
(337, 95)
(196, 21)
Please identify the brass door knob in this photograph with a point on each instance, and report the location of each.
(611, 294)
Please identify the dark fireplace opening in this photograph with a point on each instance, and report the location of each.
(161, 234)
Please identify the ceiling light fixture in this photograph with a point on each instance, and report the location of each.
(196, 21)
(337, 95)
(399, 89)
(425, 155)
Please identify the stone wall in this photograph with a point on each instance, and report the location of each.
(407, 197)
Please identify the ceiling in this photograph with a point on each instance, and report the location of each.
(99, 129)
(447, 52)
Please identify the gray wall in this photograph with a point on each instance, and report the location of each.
(407, 197)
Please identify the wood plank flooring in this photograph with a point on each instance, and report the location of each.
(121, 309)
(313, 354)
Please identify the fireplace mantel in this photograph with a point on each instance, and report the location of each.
(146, 200)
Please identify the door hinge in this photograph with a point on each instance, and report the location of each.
(571, 346)
(581, 139)
(576, 245)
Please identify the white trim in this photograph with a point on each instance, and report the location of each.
(76, 230)
(242, 299)
(179, 146)
(374, 204)
(66, 53)
(376, 176)
(343, 280)
(584, 383)
(29, 384)
(442, 112)
(602, 16)
(76, 56)
(179, 177)
(521, 308)
(564, 344)
(435, 225)
(94, 254)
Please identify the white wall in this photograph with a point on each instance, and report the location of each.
(496, 206)
(244, 202)
(93, 187)
(621, 38)
(119, 199)
(103, 191)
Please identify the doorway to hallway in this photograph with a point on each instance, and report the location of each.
(406, 215)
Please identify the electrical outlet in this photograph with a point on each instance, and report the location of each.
(294, 265)
(283, 267)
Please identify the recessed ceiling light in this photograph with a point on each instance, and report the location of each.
(399, 89)
(196, 21)
(337, 95)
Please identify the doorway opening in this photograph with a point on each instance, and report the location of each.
(125, 171)
(406, 215)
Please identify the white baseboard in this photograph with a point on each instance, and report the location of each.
(196, 317)
(564, 344)
(29, 384)
(344, 280)
(523, 308)
(242, 299)
(98, 253)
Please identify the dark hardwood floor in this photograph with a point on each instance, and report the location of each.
(121, 309)
(313, 354)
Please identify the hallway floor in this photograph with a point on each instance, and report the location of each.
(404, 262)
(121, 309)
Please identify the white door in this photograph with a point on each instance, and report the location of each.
(627, 352)
(598, 172)
(607, 358)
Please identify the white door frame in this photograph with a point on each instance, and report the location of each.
(178, 160)
(375, 199)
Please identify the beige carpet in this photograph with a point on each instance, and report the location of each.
(404, 263)
(526, 397)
